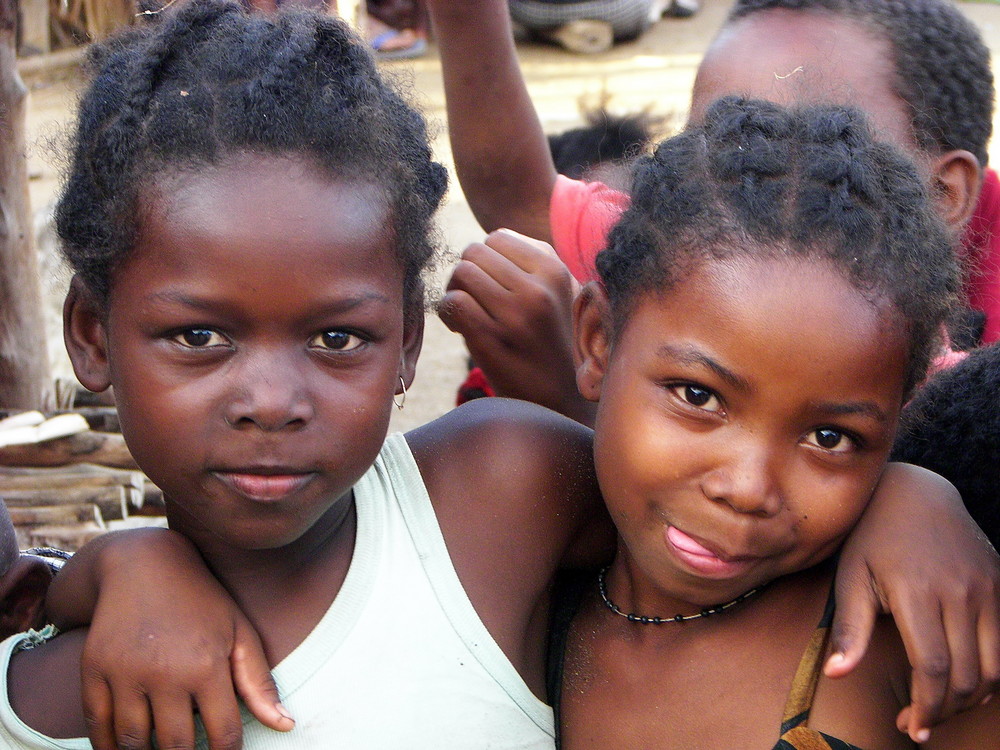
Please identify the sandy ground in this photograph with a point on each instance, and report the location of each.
(654, 72)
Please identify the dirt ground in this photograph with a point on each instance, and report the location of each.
(654, 72)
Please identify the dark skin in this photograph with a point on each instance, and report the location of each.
(507, 174)
(230, 387)
(23, 583)
(529, 522)
(732, 452)
(506, 171)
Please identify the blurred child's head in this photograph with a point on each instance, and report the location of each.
(918, 68)
(23, 583)
(248, 213)
(952, 426)
(768, 302)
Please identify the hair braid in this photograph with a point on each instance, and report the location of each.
(759, 179)
(210, 79)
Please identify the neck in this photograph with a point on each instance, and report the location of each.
(285, 591)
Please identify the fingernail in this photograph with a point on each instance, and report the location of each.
(284, 712)
(986, 700)
(923, 735)
(837, 659)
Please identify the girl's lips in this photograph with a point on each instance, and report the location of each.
(701, 559)
(264, 487)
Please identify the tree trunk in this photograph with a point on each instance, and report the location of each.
(25, 380)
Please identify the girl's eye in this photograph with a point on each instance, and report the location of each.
(697, 396)
(831, 440)
(200, 338)
(338, 341)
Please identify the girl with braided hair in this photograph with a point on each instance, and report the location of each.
(765, 307)
(247, 213)
(918, 68)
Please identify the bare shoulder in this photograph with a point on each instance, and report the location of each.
(494, 454)
(514, 491)
(861, 707)
(43, 686)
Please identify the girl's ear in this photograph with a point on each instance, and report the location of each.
(413, 340)
(85, 336)
(957, 178)
(592, 320)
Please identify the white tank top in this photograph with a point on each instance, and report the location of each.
(400, 661)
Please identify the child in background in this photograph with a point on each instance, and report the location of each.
(247, 215)
(766, 306)
(23, 582)
(917, 67)
(952, 427)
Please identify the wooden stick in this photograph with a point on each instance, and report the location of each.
(104, 448)
(56, 515)
(113, 501)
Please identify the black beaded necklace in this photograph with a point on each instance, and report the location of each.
(643, 619)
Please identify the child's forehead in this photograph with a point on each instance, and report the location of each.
(791, 312)
(805, 57)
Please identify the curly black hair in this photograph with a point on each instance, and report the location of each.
(952, 427)
(210, 80)
(757, 178)
(942, 64)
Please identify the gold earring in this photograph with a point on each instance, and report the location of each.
(401, 402)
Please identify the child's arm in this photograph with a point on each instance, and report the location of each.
(512, 300)
(501, 154)
(918, 555)
(165, 636)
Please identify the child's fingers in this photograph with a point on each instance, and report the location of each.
(527, 253)
(461, 313)
(253, 681)
(133, 718)
(988, 632)
(854, 619)
(927, 649)
(220, 714)
(173, 722)
(481, 286)
(97, 711)
(501, 269)
(960, 622)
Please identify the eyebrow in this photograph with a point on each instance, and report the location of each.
(690, 356)
(850, 408)
(337, 306)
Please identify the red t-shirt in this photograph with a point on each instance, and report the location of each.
(982, 248)
(582, 214)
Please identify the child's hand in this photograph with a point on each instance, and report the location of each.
(166, 639)
(512, 300)
(918, 555)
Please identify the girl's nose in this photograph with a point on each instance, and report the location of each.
(270, 393)
(746, 481)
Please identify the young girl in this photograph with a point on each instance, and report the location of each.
(767, 305)
(918, 68)
(247, 215)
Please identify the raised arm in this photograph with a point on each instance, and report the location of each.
(165, 636)
(918, 555)
(501, 154)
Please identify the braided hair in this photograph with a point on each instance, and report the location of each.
(942, 64)
(211, 80)
(756, 178)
